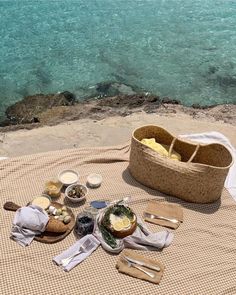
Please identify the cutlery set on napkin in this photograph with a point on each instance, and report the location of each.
(140, 267)
(77, 253)
(164, 214)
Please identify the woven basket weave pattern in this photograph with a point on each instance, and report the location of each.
(199, 181)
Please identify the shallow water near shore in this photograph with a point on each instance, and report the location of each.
(183, 49)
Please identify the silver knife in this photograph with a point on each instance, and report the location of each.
(142, 263)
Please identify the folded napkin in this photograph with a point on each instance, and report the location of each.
(123, 267)
(28, 222)
(166, 210)
(141, 239)
(74, 249)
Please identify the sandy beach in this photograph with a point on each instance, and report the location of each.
(108, 131)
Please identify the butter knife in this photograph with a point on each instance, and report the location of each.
(142, 263)
(154, 216)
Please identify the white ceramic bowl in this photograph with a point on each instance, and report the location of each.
(68, 177)
(76, 199)
(94, 180)
(35, 202)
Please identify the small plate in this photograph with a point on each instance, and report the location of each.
(98, 204)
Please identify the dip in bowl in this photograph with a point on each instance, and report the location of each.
(42, 201)
(68, 177)
(94, 180)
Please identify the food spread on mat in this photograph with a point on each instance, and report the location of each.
(114, 220)
(161, 149)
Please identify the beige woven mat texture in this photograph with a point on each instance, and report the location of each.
(201, 259)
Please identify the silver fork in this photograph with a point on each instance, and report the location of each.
(149, 273)
(85, 247)
(153, 216)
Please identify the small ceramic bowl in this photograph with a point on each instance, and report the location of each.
(76, 193)
(94, 180)
(43, 201)
(68, 177)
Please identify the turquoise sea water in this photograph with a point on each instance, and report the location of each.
(185, 49)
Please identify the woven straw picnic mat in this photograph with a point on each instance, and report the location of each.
(201, 259)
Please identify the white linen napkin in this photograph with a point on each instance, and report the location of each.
(141, 239)
(3, 158)
(28, 222)
(73, 249)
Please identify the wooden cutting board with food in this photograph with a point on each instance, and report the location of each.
(60, 224)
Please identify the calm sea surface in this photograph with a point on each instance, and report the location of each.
(185, 49)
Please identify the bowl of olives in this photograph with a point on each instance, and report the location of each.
(76, 193)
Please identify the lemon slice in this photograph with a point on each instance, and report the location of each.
(118, 225)
(133, 219)
(126, 222)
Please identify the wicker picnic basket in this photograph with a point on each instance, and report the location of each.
(200, 175)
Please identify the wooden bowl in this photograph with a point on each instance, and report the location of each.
(123, 232)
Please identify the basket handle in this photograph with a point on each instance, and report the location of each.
(171, 146)
(194, 153)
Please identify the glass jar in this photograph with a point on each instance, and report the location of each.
(91, 210)
(53, 188)
(84, 224)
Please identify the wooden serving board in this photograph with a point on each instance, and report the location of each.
(48, 237)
